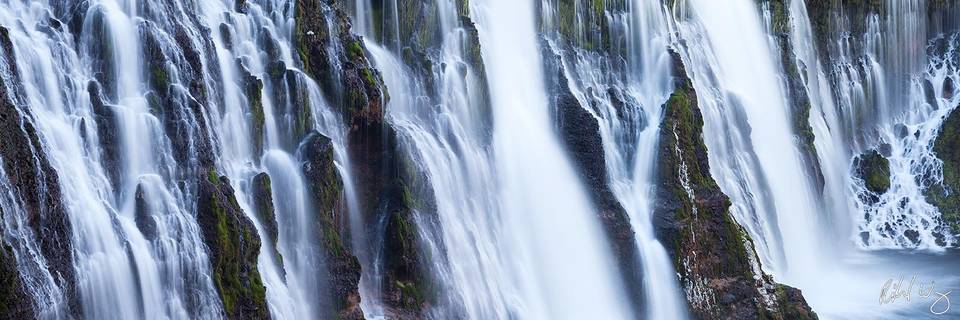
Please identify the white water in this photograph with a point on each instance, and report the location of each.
(630, 136)
(515, 235)
(296, 285)
(559, 262)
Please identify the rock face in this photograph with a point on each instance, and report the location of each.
(35, 180)
(326, 187)
(721, 275)
(262, 190)
(234, 246)
(874, 169)
(945, 196)
(15, 302)
(337, 59)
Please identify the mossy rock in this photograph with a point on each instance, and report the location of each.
(946, 196)
(874, 169)
(234, 246)
(691, 207)
(326, 188)
(262, 189)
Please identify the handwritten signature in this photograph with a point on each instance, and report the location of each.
(894, 292)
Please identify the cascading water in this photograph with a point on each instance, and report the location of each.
(157, 274)
(749, 133)
(629, 128)
(561, 265)
(122, 117)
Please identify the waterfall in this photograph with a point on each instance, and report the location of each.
(749, 133)
(629, 123)
(546, 214)
(485, 159)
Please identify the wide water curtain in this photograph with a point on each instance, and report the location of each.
(482, 159)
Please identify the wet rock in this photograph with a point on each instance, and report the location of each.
(874, 169)
(946, 196)
(234, 246)
(949, 88)
(15, 302)
(143, 215)
(107, 131)
(266, 212)
(901, 131)
(253, 89)
(263, 204)
(717, 275)
(34, 179)
(580, 133)
(337, 59)
(796, 91)
(326, 187)
(100, 51)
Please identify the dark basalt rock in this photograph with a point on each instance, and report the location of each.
(99, 50)
(326, 187)
(234, 246)
(34, 179)
(409, 288)
(143, 215)
(15, 302)
(796, 91)
(874, 169)
(580, 133)
(262, 190)
(588, 27)
(253, 88)
(372, 144)
(946, 196)
(716, 274)
(107, 130)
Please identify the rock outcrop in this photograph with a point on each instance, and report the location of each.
(337, 59)
(326, 188)
(781, 27)
(946, 195)
(713, 254)
(874, 169)
(234, 245)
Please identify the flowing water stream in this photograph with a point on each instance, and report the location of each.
(122, 105)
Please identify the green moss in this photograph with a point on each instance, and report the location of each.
(708, 245)
(212, 177)
(258, 121)
(355, 50)
(598, 8)
(410, 290)
(946, 196)
(159, 78)
(234, 264)
(874, 169)
(368, 76)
